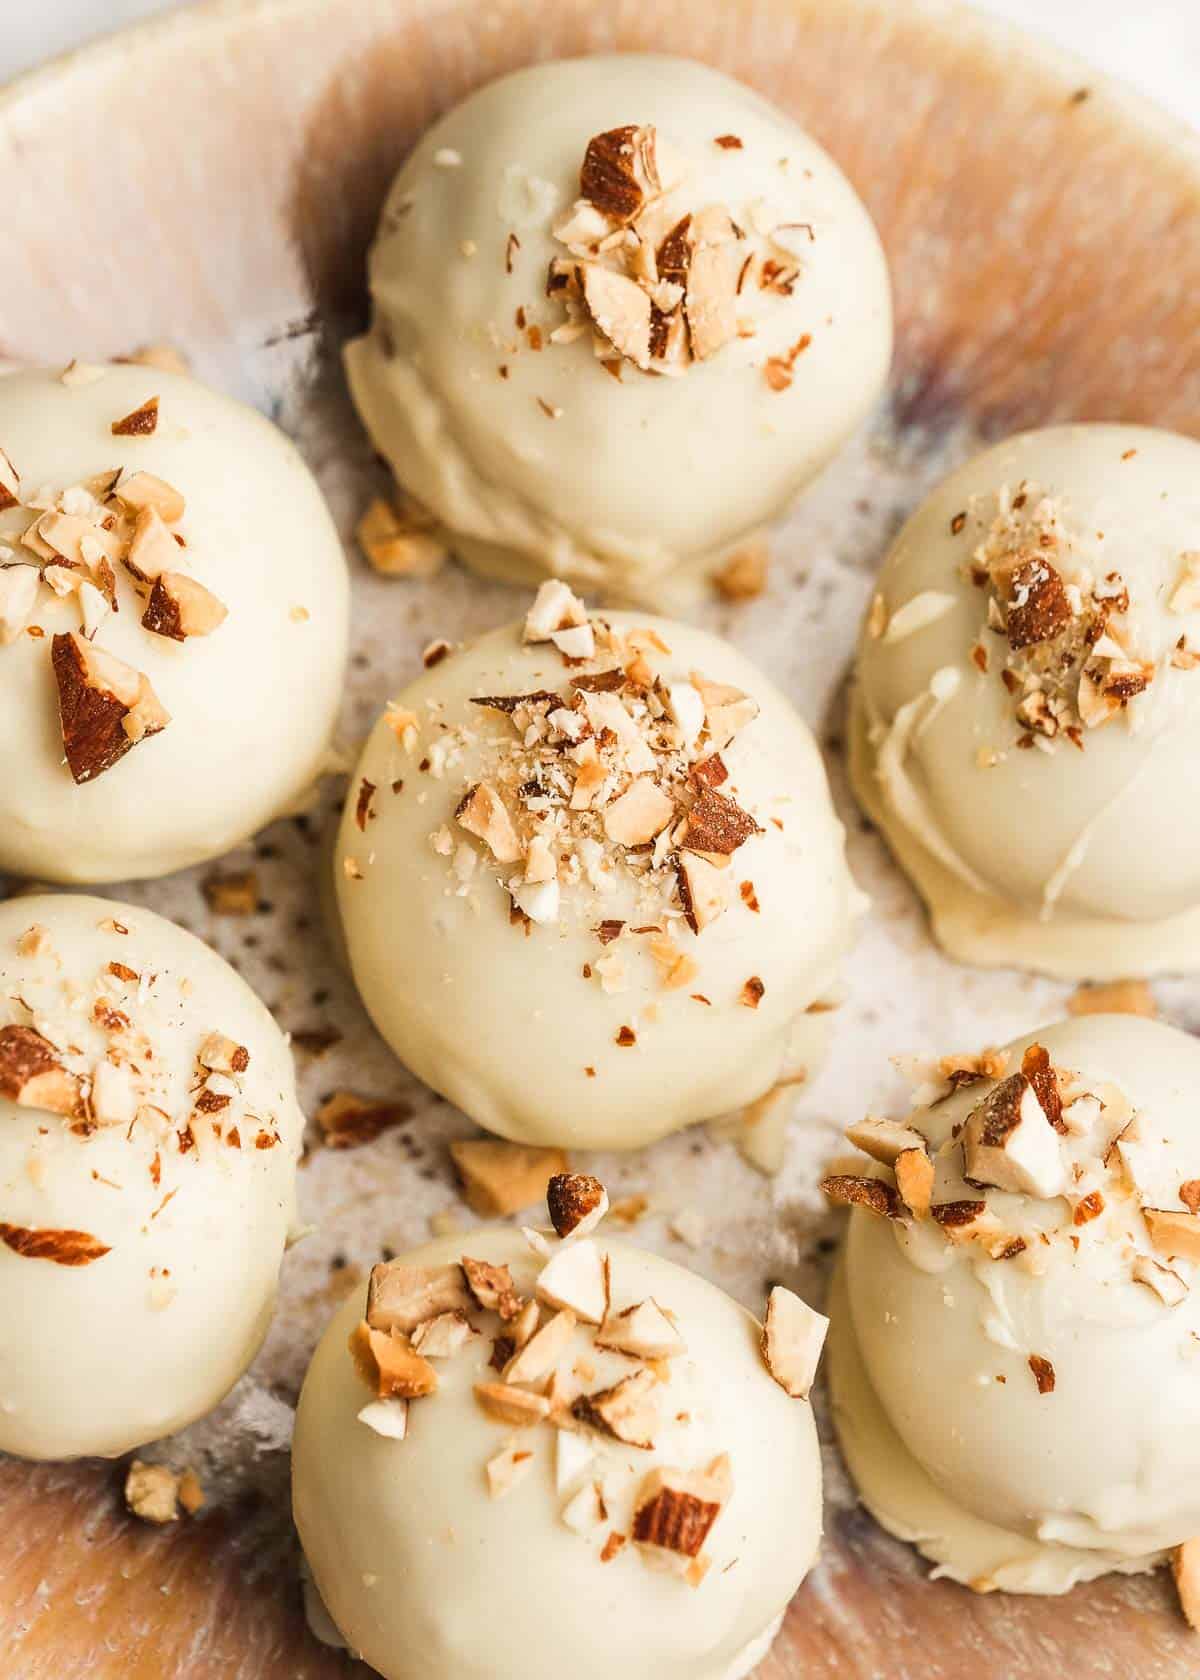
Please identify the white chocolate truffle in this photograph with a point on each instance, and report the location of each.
(1016, 1378)
(527, 917)
(172, 645)
(477, 1547)
(149, 1132)
(1028, 702)
(545, 446)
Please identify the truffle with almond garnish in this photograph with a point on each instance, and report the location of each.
(149, 1132)
(1015, 1363)
(1028, 700)
(591, 881)
(624, 311)
(523, 1452)
(173, 611)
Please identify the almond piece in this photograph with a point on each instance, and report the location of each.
(396, 546)
(18, 596)
(141, 423)
(858, 1190)
(644, 1331)
(492, 1287)
(223, 1055)
(105, 706)
(501, 1178)
(1185, 1567)
(517, 1407)
(743, 577)
(442, 1337)
(914, 1179)
(703, 891)
(711, 301)
(1116, 997)
(576, 1280)
(1009, 1143)
(483, 813)
(402, 1297)
(641, 812)
(577, 1203)
(884, 1140)
(792, 1339)
(620, 309)
(144, 490)
(10, 483)
(627, 1411)
(1175, 1235)
(1038, 607)
(387, 1363)
(1166, 1283)
(32, 1074)
(555, 607)
(152, 549)
(675, 1509)
(506, 1470)
(152, 1493)
(542, 1351)
(388, 1418)
(180, 607)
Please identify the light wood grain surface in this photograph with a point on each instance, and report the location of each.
(214, 183)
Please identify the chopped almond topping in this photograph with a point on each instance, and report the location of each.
(542, 1352)
(442, 1337)
(517, 1407)
(388, 1418)
(402, 1298)
(492, 1287)
(152, 1493)
(884, 1140)
(743, 577)
(1037, 1068)
(712, 282)
(221, 1054)
(585, 1511)
(10, 483)
(232, 894)
(628, 1411)
(506, 1470)
(400, 543)
(1117, 997)
(180, 607)
(191, 1494)
(105, 706)
(143, 490)
(1185, 1567)
(644, 1331)
(1043, 1373)
(62, 1248)
(1176, 1236)
(483, 813)
(19, 586)
(641, 812)
(388, 1364)
(500, 1178)
(612, 1546)
(703, 892)
(348, 1122)
(1166, 1283)
(1008, 1142)
(675, 1509)
(854, 1190)
(1189, 1194)
(141, 423)
(752, 993)
(575, 1279)
(32, 1074)
(619, 172)
(1038, 608)
(793, 1336)
(718, 824)
(914, 1179)
(577, 1203)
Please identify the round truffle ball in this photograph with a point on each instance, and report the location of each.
(149, 1132)
(1028, 699)
(1015, 1375)
(173, 612)
(658, 1533)
(592, 893)
(624, 311)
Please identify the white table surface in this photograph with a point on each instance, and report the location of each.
(1153, 44)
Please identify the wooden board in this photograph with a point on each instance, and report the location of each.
(213, 181)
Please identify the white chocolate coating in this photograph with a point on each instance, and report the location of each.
(1001, 1485)
(103, 1357)
(431, 1579)
(252, 706)
(1030, 861)
(652, 475)
(503, 1021)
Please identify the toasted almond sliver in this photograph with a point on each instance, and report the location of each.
(1185, 1566)
(576, 1280)
(144, 490)
(577, 1203)
(390, 1366)
(542, 1351)
(884, 1140)
(643, 1330)
(1175, 1235)
(402, 1297)
(507, 1469)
